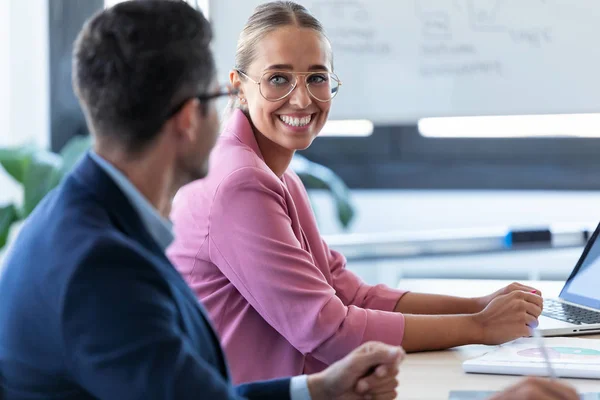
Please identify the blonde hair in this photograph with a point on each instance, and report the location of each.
(266, 18)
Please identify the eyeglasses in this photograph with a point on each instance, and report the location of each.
(205, 98)
(277, 85)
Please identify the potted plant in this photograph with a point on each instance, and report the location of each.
(38, 171)
(317, 176)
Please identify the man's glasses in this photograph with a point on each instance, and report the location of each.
(205, 98)
(277, 85)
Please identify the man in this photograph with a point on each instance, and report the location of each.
(90, 306)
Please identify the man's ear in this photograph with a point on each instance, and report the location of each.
(187, 120)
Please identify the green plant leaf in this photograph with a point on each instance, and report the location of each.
(345, 212)
(8, 215)
(15, 161)
(73, 151)
(42, 175)
(316, 176)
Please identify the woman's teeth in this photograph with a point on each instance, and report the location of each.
(295, 121)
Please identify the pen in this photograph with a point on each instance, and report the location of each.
(540, 342)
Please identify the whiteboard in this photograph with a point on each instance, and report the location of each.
(402, 60)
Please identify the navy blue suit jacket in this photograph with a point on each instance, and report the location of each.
(90, 307)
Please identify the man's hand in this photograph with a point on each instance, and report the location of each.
(369, 372)
(538, 389)
(482, 302)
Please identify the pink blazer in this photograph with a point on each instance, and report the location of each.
(248, 244)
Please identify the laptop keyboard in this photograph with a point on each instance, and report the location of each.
(568, 313)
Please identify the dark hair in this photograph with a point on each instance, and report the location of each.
(134, 62)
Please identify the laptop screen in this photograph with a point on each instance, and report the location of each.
(583, 286)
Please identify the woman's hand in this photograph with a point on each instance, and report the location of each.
(508, 317)
(483, 301)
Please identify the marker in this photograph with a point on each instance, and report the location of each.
(533, 236)
(545, 236)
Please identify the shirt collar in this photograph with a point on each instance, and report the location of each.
(161, 229)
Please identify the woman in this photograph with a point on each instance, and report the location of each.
(248, 244)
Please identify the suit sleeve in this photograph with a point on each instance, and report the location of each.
(276, 389)
(253, 243)
(122, 337)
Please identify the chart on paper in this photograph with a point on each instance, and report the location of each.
(570, 357)
(562, 354)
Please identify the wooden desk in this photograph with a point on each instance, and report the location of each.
(432, 375)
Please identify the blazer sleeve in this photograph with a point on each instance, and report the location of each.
(252, 242)
(353, 291)
(275, 389)
(121, 335)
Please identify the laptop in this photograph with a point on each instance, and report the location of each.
(577, 309)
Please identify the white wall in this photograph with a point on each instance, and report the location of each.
(412, 210)
(24, 82)
(4, 68)
(8, 188)
(29, 59)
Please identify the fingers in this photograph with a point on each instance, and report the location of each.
(535, 299)
(374, 382)
(526, 307)
(372, 385)
(381, 371)
(533, 309)
(519, 286)
(385, 386)
(539, 388)
(388, 394)
(530, 321)
(532, 325)
(527, 329)
(382, 378)
(372, 354)
(383, 396)
(558, 390)
(528, 297)
(362, 386)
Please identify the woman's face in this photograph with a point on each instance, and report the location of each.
(294, 121)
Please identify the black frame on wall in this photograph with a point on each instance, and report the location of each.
(398, 157)
(66, 17)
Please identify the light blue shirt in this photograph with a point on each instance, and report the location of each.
(299, 388)
(161, 230)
